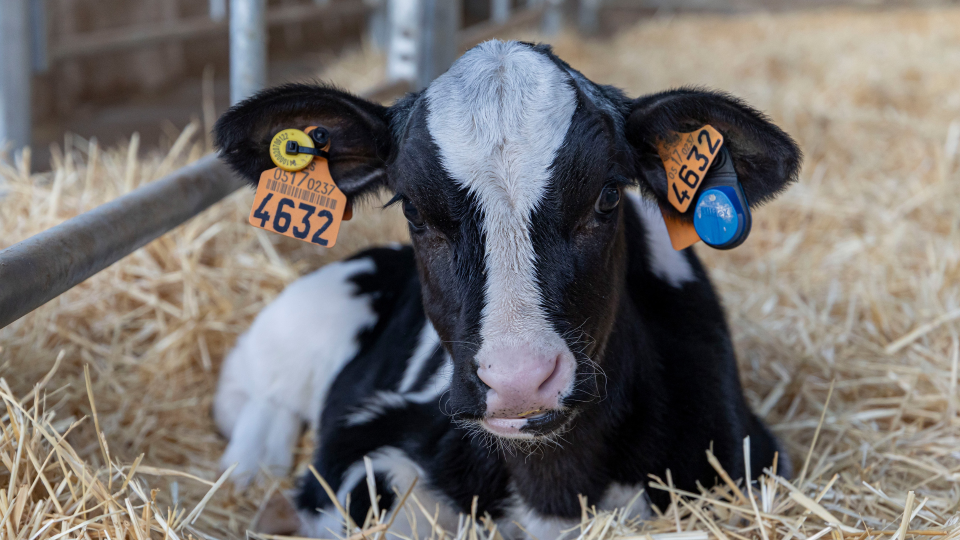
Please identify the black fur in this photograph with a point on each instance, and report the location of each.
(361, 142)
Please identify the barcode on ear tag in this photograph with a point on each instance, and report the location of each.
(687, 158)
(306, 205)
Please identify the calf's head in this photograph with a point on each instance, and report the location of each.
(510, 169)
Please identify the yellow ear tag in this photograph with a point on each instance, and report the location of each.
(304, 203)
(290, 162)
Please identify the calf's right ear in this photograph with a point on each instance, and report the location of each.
(361, 141)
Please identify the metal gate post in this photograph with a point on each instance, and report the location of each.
(39, 53)
(248, 48)
(553, 18)
(499, 10)
(588, 19)
(423, 39)
(217, 10)
(439, 46)
(403, 19)
(378, 28)
(15, 72)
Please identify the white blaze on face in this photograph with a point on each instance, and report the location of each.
(498, 117)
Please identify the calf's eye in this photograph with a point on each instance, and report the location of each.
(412, 215)
(608, 200)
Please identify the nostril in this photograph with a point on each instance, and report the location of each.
(554, 374)
(524, 376)
(484, 375)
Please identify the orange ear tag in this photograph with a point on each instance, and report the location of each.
(682, 234)
(687, 158)
(304, 204)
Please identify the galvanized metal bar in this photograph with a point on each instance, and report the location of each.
(248, 48)
(217, 10)
(378, 27)
(403, 19)
(499, 10)
(15, 73)
(39, 55)
(145, 35)
(588, 17)
(552, 22)
(438, 39)
(42, 267)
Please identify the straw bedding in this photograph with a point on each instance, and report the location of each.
(844, 305)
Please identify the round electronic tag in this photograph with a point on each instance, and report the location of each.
(722, 217)
(286, 161)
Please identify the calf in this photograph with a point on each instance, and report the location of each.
(540, 339)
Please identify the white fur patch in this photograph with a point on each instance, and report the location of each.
(666, 263)
(374, 406)
(426, 348)
(264, 436)
(436, 385)
(279, 373)
(534, 523)
(498, 117)
(620, 495)
(400, 472)
(550, 527)
(327, 524)
(381, 402)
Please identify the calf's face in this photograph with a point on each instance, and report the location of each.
(510, 169)
(511, 185)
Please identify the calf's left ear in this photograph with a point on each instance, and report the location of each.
(360, 137)
(766, 159)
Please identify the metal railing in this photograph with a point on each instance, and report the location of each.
(145, 35)
(42, 267)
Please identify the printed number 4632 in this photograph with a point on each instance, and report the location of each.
(283, 218)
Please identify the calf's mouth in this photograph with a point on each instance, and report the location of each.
(537, 425)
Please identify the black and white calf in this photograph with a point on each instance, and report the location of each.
(540, 339)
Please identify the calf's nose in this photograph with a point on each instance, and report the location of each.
(523, 382)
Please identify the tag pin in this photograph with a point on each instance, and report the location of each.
(320, 136)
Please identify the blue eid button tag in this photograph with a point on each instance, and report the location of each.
(721, 216)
